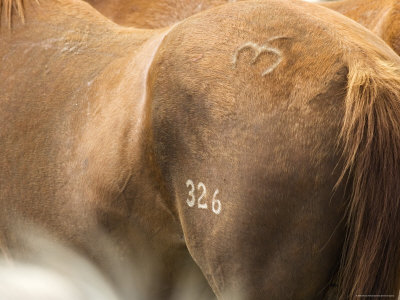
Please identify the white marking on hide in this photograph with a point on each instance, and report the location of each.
(216, 205)
(201, 204)
(258, 50)
(68, 42)
(69, 48)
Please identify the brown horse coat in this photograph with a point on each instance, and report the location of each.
(151, 13)
(380, 16)
(218, 135)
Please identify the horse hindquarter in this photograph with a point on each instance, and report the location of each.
(248, 112)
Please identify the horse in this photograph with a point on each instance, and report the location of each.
(258, 141)
(152, 14)
(380, 16)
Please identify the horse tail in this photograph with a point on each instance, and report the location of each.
(7, 7)
(370, 137)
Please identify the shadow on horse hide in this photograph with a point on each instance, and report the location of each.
(227, 139)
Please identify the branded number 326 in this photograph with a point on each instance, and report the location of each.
(201, 201)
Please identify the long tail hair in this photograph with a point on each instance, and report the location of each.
(7, 7)
(371, 143)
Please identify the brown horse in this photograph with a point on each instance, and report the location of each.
(152, 13)
(380, 16)
(217, 137)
